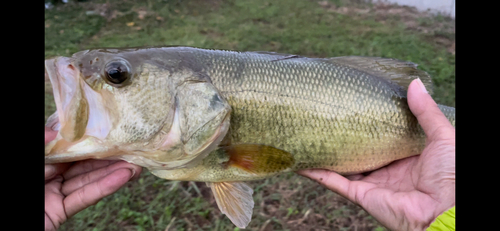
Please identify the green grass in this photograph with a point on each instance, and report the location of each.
(304, 27)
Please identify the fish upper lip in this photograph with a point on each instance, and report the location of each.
(60, 88)
(64, 79)
(51, 70)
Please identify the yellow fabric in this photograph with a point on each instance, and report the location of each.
(444, 222)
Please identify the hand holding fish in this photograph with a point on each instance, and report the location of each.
(409, 193)
(70, 188)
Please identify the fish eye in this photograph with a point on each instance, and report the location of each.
(117, 72)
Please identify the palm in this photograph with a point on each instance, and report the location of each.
(401, 194)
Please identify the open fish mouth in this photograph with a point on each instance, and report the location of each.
(82, 117)
(81, 111)
(62, 77)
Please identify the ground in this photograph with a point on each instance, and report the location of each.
(303, 27)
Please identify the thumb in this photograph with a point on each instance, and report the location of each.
(49, 134)
(430, 117)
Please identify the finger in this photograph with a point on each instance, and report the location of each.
(52, 170)
(86, 166)
(49, 135)
(79, 181)
(355, 177)
(352, 190)
(91, 193)
(429, 116)
(54, 209)
(329, 179)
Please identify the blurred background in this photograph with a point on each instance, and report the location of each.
(408, 31)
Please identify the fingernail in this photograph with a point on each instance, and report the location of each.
(422, 87)
(133, 173)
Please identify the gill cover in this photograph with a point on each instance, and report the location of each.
(201, 121)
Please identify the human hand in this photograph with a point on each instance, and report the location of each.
(72, 187)
(410, 193)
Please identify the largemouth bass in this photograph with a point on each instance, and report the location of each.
(226, 117)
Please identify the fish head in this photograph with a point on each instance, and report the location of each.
(152, 107)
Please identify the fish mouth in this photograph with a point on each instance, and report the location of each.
(81, 111)
(56, 80)
(67, 96)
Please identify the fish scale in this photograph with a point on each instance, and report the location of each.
(358, 122)
(273, 101)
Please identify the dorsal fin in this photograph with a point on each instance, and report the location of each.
(277, 56)
(397, 71)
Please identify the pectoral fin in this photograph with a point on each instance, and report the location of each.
(235, 200)
(258, 159)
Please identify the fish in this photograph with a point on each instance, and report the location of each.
(227, 117)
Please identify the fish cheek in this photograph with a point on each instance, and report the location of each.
(204, 116)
